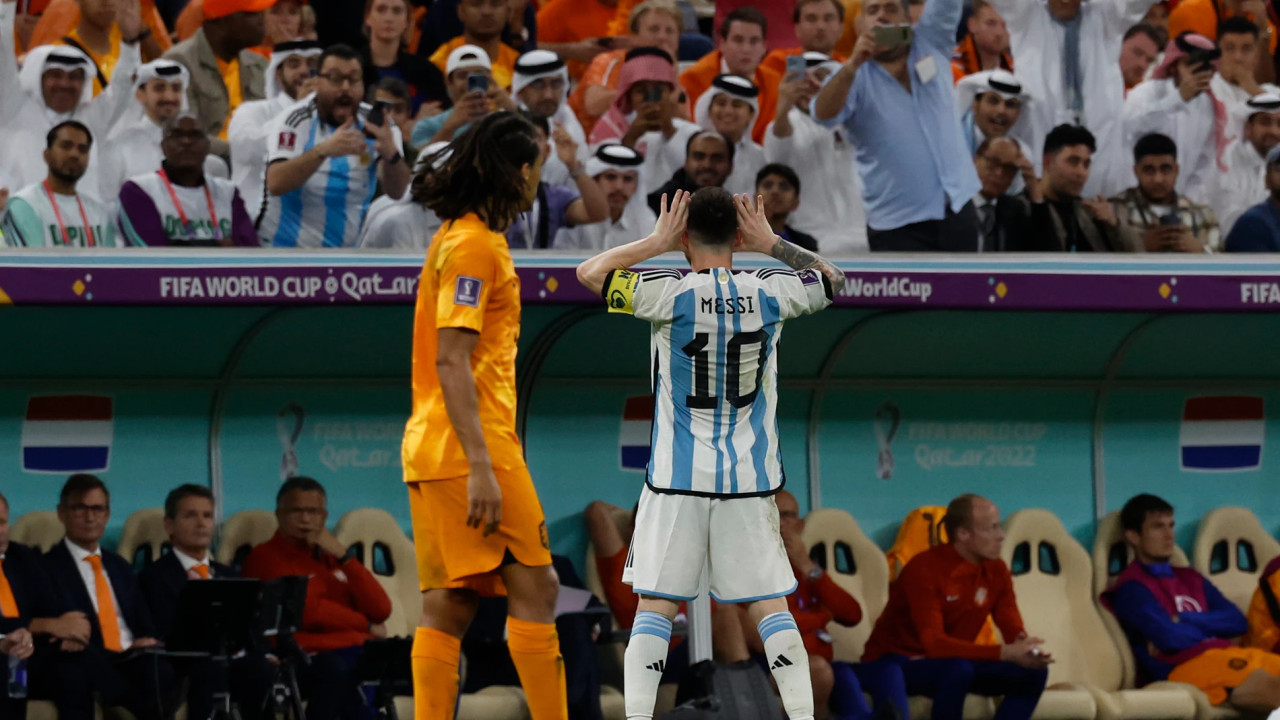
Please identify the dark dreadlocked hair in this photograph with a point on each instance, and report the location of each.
(482, 172)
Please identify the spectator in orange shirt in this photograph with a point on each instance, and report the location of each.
(818, 24)
(573, 29)
(741, 52)
(653, 23)
(1204, 16)
(936, 609)
(282, 23)
(986, 44)
(482, 24)
(345, 604)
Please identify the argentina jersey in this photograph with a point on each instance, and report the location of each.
(329, 209)
(714, 340)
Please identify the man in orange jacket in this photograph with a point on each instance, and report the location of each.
(741, 52)
(938, 606)
(345, 603)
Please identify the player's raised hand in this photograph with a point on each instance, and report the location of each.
(753, 225)
(671, 220)
(484, 500)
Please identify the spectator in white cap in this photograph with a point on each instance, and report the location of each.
(1176, 103)
(992, 104)
(1243, 183)
(541, 86)
(134, 145)
(53, 86)
(179, 204)
(617, 169)
(1258, 229)
(55, 212)
(469, 79)
(730, 107)
(291, 76)
(824, 160)
(1069, 51)
(403, 223)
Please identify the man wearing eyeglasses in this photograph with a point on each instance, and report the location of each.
(1002, 216)
(346, 606)
(115, 662)
(326, 156)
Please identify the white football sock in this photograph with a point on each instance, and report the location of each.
(789, 663)
(644, 662)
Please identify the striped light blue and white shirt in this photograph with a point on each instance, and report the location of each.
(329, 209)
(714, 338)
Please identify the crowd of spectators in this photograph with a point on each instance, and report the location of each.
(953, 125)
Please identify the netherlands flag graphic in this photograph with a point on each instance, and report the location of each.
(1222, 432)
(67, 434)
(633, 438)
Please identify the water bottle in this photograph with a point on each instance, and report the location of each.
(17, 678)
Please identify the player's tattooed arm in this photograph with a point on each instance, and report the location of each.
(797, 258)
(758, 236)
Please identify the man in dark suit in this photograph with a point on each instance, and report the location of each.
(17, 597)
(188, 520)
(1064, 221)
(31, 617)
(115, 662)
(1003, 219)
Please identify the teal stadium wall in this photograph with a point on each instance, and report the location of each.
(1012, 405)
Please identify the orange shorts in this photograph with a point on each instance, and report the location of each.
(452, 555)
(1220, 670)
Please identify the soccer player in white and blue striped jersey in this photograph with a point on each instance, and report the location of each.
(716, 461)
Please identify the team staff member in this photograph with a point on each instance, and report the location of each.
(189, 523)
(939, 605)
(29, 609)
(114, 664)
(1179, 625)
(477, 523)
(345, 605)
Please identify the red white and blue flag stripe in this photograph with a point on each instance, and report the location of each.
(637, 428)
(67, 434)
(1222, 432)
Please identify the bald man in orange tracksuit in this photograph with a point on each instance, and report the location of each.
(937, 608)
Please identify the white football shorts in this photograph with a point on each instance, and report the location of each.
(736, 538)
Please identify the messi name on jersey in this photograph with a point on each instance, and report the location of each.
(728, 305)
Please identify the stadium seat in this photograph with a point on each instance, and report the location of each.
(241, 532)
(382, 546)
(39, 529)
(858, 565)
(1231, 550)
(143, 538)
(1052, 576)
(1111, 555)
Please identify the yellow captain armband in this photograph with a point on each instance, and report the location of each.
(620, 291)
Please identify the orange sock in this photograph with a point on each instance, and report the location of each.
(535, 650)
(435, 674)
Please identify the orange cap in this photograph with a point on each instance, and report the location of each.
(214, 9)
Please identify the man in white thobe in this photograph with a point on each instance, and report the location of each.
(1069, 51)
